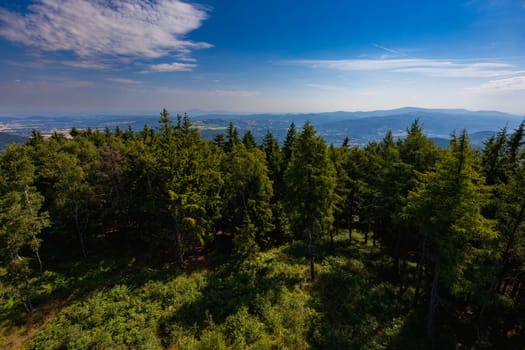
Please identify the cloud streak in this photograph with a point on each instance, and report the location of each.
(234, 93)
(501, 85)
(86, 65)
(173, 67)
(54, 83)
(392, 51)
(124, 81)
(108, 28)
(431, 67)
(324, 87)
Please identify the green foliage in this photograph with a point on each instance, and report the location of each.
(246, 212)
(21, 222)
(447, 204)
(187, 244)
(311, 180)
(187, 311)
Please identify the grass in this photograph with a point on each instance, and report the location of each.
(266, 302)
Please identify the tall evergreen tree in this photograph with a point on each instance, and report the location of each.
(248, 141)
(289, 140)
(446, 204)
(21, 221)
(311, 180)
(247, 214)
(189, 183)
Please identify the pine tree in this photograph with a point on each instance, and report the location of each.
(446, 204)
(311, 180)
(247, 215)
(248, 141)
(289, 140)
(188, 180)
(21, 221)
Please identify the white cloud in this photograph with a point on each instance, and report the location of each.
(86, 65)
(173, 67)
(465, 71)
(55, 83)
(500, 85)
(109, 28)
(433, 67)
(124, 81)
(234, 93)
(186, 59)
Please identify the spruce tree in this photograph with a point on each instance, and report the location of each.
(310, 179)
(447, 205)
(21, 221)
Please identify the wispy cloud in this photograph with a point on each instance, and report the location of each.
(234, 93)
(392, 51)
(91, 29)
(124, 81)
(501, 85)
(209, 93)
(186, 58)
(173, 67)
(432, 67)
(324, 87)
(86, 65)
(54, 83)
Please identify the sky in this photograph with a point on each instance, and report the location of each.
(139, 56)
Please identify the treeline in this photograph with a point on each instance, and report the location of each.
(452, 221)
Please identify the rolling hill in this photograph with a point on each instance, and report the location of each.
(360, 127)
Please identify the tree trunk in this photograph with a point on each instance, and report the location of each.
(433, 305)
(504, 287)
(515, 288)
(349, 225)
(179, 249)
(509, 245)
(419, 272)
(79, 231)
(38, 258)
(397, 249)
(519, 294)
(311, 254)
(34, 237)
(312, 268)
(28, 306)
(402, 288)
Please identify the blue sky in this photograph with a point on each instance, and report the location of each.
(139, 56)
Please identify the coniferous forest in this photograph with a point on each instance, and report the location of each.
(118, 239)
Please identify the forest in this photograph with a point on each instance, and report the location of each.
(152, 239)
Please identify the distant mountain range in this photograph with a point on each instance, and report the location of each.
(360, 127)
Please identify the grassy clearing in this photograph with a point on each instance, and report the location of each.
(266, 302)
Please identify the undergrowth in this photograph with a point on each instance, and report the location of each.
(264, 302)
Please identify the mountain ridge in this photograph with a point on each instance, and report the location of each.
(360, 126)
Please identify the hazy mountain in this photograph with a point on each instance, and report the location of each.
(363, 127)
(360, 127)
